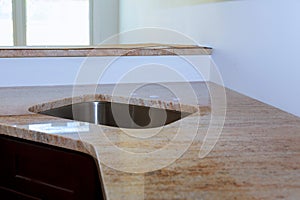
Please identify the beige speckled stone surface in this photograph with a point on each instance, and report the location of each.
(256, 157)
(105, 50)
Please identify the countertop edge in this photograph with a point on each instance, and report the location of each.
(161, 50)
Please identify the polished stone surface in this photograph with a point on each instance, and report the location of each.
(257, 155)
(105, 50)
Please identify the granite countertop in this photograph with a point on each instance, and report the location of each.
(257, 155)
(147, 49)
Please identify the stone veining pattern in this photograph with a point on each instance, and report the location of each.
(256, 157)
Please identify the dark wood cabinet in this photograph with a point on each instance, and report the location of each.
(30, 170)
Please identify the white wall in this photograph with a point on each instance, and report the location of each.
(104, 70)
(256, 42)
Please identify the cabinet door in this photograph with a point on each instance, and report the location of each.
(7, 163)
(47, 172)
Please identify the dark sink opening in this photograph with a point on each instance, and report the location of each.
(117, 114)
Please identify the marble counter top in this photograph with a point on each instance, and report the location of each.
(256, 157)
(105, 50)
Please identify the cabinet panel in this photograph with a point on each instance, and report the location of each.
(47, 172)
(12, 194)
(7, 164)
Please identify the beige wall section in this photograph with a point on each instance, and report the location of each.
(136, 14)
(106, 18)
